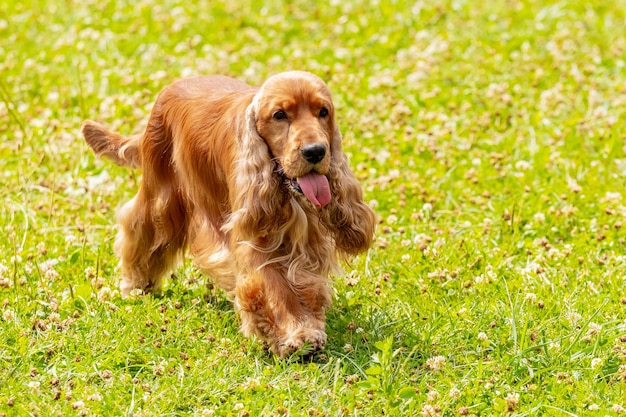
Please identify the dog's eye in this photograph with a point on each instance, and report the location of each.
(323, 112)
(280, 115)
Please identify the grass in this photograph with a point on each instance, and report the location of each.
(488, 136)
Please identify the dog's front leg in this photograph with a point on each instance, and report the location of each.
(275, 309)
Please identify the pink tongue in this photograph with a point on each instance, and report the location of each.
(315, 187)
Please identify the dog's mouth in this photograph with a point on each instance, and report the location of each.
(313, 185)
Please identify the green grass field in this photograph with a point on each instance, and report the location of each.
(490, 138)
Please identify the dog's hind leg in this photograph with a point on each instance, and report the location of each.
(149, 242)
(153, 225)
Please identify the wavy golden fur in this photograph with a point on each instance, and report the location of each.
(254, 182)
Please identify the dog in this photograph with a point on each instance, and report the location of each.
(251, 181)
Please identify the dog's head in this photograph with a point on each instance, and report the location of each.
(293, 113)
(291, 141)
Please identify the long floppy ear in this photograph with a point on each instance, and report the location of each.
(352, 221)
(256, 196)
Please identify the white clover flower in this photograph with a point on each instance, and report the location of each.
(512, 401)
(594, 329)
(429, 411)
(490, 273)
(252, 383)
(431, 396)
(51, 274)
(352, 279)
(90, 272)
(573, 317)
(106, 294)
(4, 270)
(454, 393)
(8, 315)
(436, 363)
(530, 298)
(97, 397)
(612, 196)
(479, 279)
(422, 239)
(48, 264)
(136, 293)
(41, 248)
(573, 185)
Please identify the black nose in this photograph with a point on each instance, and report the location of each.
(313, 153)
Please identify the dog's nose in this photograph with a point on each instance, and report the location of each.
(313, 153)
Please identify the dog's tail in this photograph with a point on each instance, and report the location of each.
(124, 151)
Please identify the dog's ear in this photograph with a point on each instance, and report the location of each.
(351, 220)
(257, 195)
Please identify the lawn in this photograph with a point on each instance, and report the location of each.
(489, 137)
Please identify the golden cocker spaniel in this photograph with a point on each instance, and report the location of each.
(254, 182)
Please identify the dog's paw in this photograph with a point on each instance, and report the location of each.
(312, 339)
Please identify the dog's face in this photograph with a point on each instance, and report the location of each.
(295, 116)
